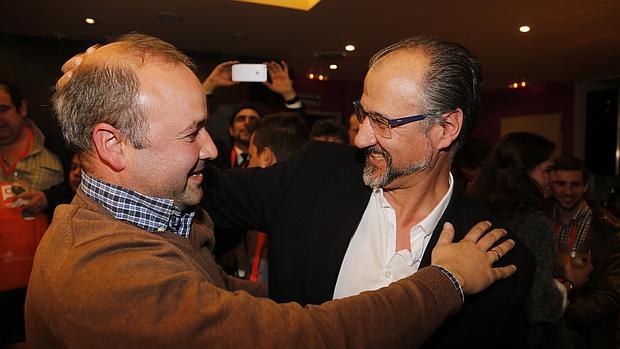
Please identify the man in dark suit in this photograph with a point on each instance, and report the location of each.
(342, 220)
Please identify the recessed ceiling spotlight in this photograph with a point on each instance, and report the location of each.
(515, 85)
(523, 84)
(89, 20)
(349, 48)
(311, 76)
(524, 29)
(333, 66)
(321, 77)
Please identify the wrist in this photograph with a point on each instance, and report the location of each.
(208, 87)
(290, 97)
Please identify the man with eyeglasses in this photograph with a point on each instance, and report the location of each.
(343, 220)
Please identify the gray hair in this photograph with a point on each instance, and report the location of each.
(452, 80)
(108, 93)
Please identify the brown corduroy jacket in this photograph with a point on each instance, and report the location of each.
(102, 283)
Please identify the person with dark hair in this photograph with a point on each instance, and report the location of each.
(329, 130)
(512, 182)
(361, 219)
(128, 263)
(273, 139)
(29, 170)
(244, 115)
(469, 159)
(588, 240)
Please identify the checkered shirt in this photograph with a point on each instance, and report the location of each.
(146, 212)
(581, 221)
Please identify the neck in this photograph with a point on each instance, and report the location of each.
(10, 152)
(565, 215)
(243, 147)
(417, 194)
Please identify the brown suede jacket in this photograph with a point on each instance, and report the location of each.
(102, 283)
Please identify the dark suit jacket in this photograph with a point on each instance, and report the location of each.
(311, 206)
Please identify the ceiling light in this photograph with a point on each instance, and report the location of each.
(523, 83)
(349, 48)
(524, 29)
(515, 85)
(305, 5)
(89, 20)
(321, 77)
(311, 76)
(333, 67)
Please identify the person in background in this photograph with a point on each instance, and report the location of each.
(28, 171)
(246, 114)
(329, 130)
(273, 139)
(589, 242)
(233, 152)
(512, 182)
(126, 281)
(468, 162)
(353, 126)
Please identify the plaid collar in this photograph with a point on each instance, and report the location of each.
(146, 212)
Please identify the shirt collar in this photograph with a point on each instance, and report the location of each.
(429, 222)
(146, 212)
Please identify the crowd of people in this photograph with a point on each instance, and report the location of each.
(294, 232)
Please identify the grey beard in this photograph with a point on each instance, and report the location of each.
(390, 174)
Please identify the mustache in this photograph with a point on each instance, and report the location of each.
(376, 149)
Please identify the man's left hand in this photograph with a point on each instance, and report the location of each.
(280, 81)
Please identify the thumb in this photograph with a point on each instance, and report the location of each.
(447, 234)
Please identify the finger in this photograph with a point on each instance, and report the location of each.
(92, 48)
(64, 79)
(504, 272)
(72, 63)
(447, 234)
(284, 66)
(268, 84)
(490, 238)
(476, 232)
(493, 256)
(504, 247)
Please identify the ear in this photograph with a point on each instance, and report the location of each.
(23, 110)
(451, 128)
(267, 157)
(230, 131)
(109, 144)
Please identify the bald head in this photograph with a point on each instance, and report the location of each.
(105, 89)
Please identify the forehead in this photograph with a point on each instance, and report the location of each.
(5, 99)
(247, 111)
(394, 84)
(569, 176)
(171, 93)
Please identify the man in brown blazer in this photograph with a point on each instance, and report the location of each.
(128, 263)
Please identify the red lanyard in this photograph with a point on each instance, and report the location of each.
(572, 235)
(8, 170)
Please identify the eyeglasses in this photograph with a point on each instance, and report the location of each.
(381, 125)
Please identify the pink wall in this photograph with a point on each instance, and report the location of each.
(557, 97)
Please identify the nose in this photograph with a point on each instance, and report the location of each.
(365, 136)
(208, 150)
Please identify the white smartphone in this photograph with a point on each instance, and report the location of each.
(249, 72)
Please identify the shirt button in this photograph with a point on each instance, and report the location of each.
(387, 274)
(161, 229)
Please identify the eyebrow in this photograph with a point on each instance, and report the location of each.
(198, 124)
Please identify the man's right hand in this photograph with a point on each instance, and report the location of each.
(471, 259)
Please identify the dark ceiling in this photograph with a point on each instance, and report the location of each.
(570, 39)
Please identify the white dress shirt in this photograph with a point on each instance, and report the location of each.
(371, 260)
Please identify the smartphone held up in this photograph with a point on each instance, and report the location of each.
(244, 72)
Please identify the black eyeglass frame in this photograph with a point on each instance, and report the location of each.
(389, 123)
